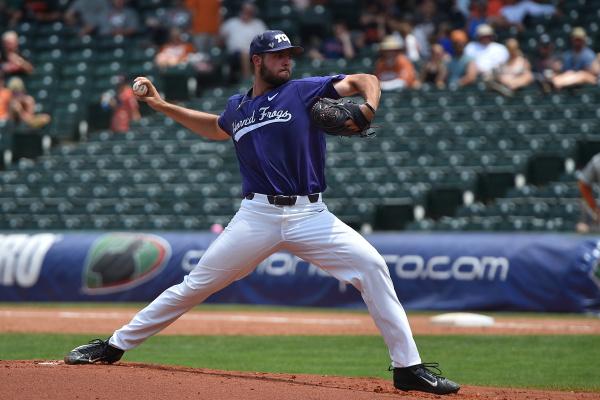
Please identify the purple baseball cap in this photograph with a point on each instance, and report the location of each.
(271, 41)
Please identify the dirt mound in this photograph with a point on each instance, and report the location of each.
(55, 380)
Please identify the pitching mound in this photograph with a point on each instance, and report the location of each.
(55, 380)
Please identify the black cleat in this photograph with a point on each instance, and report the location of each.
(419, 377)
(96, 351)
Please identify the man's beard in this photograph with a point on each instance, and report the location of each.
(270, 78)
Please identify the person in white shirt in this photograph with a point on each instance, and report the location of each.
(405, 31)
(237, 33)
(487, 54)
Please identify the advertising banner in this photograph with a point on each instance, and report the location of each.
(453, 271)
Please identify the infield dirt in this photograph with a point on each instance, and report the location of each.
(50, 379)
(106, 320)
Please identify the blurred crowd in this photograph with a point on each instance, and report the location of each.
(454, 43)
(176, 31)
(445, 43)
(15, 104)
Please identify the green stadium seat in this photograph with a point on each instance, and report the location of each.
(428, 140)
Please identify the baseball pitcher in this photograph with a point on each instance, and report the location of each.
(277, 130)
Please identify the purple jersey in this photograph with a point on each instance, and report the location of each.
(278, 149)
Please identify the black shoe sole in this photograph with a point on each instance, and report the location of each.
(426, 390)
(78, 359)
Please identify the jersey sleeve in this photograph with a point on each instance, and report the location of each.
(321, 86)
(225, 119)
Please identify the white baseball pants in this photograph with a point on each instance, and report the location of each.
(307, 230)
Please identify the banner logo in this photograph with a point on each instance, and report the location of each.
(592, 259)
(120, 261)
(595, 273)
(22, 257)
(463, 268)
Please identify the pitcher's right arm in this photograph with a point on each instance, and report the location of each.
(201, 123)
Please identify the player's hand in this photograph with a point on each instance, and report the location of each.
(151, 97)
(352, 126)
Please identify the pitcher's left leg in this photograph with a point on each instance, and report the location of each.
(324, 240)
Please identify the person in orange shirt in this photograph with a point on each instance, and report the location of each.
(393, 68)
(5, 96)
(175, 51)
(125, 107)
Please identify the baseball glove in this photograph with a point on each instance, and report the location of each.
(331, 116)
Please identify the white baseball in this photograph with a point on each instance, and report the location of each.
(140, 89)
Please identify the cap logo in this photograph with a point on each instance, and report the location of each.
(271, 44)
(282, 37)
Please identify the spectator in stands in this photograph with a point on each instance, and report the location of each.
(514, 12)
(338, 45)
(578, 64)
(514, 74)
(163, 21)
(546, 61)
(461, 68)
(5, 96)
(124, 105)
(372, 23)
(88, 15)
(463, 6)
(178, 51)
(177, 16)
(10, 13)
(454, 14)
(206, 20)
(395, 9)
(175, 52)
(393, 68)
(237, 33)
(43, 11)
(11, 60)
(590, 212)
(122, 20)
(404, 31)
(494, 8)
(435, 71)
(442, 37)
(22, 106)
(478, 16)
(546, 64)
(487, 54)
(426, 22)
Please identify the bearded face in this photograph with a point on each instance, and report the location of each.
(274, 78)
(275, 68)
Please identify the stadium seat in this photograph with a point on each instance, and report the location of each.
(431, 143)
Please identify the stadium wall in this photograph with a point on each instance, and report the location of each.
(436, 271)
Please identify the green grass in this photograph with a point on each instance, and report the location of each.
(550, 362)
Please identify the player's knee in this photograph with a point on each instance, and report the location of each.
(203, 279)
(376, 266)
(368, 270)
